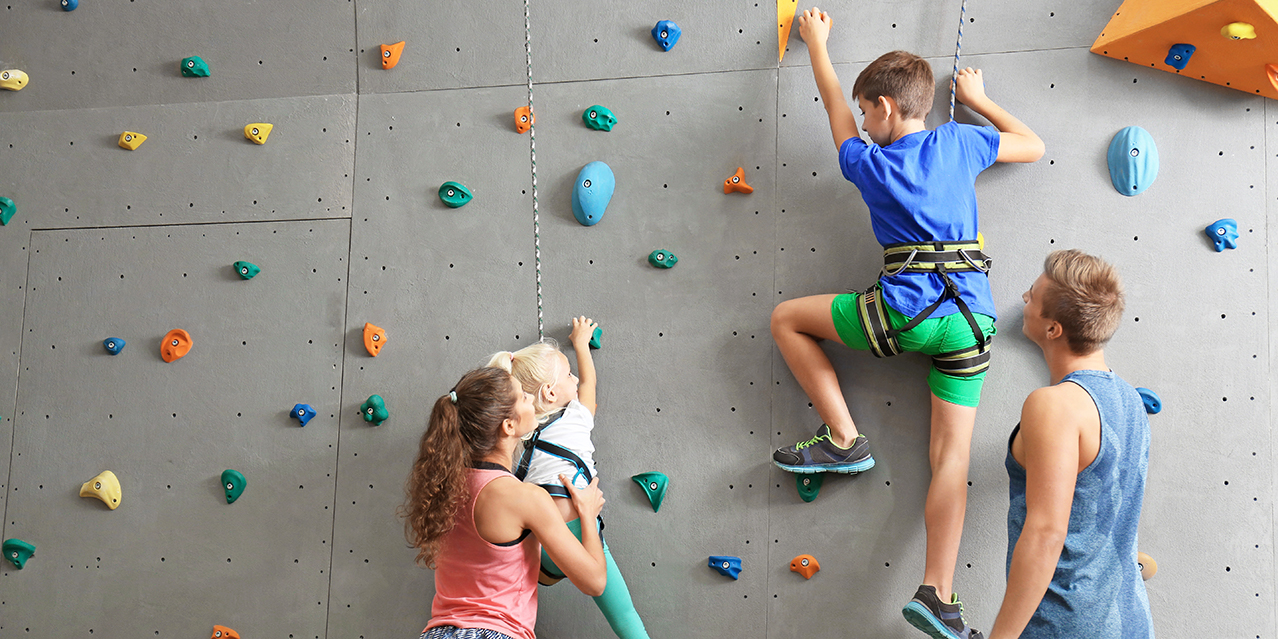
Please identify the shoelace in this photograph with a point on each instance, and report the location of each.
(810, 442)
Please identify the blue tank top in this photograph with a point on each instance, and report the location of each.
(1097, 589)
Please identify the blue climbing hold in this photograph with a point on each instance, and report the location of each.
(70, 5)
(1152, 403)
(1133, 160)
(113, 345)
(727, 566)
(1223, 233)
(666, 33)
(592, 193)
(303, 412)
(1178, 55)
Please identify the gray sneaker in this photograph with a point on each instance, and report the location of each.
(820, 455)
(939, 620)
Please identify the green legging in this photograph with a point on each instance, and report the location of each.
(615, 602)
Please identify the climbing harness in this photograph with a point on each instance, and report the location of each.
(535, 443)
(958, 48)
(532, 142)
(941, 258)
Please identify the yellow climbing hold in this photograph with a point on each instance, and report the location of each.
(785, 19)
(257, 132)
(980, 240)
(105, 487)
(1238, 31)
(13, 79)
(131, 140)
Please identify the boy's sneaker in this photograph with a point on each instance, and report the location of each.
(820, 455)
(938, 620)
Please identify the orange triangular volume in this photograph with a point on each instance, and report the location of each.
(1143, 32)
(391, 53)
(785, 19)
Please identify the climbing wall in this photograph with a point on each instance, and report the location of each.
(339, 209)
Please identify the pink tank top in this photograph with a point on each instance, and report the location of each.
(483, 585)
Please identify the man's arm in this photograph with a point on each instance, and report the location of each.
(1017, 143)
(814, 28)
(1050, 441)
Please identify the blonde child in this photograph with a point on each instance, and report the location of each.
(561, 445)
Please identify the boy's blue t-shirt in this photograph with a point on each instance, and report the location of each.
(921, 189)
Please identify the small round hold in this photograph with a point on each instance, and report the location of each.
(1148, 567)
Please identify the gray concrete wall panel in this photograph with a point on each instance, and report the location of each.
(449, 44)
(175, 558)
(116, 53)
(65, 168)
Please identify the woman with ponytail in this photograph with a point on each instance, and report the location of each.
(481, 529)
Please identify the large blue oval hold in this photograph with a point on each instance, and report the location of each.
(592, 192)
(1133, 160)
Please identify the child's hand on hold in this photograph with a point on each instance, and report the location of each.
(583, 328)
(589, 500)
(969, 88)
(814, 26)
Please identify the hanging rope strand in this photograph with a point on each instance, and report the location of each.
(958, 48)
(532, 145)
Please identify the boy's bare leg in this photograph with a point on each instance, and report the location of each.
(949, 453)
(797, 325)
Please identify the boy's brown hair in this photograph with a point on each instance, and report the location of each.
(902, 76)
(1085, 295)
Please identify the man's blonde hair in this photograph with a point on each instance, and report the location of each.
(1085, 295)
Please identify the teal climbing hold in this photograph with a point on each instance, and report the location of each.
(18, 552)
(809, 485)
(662, 258)
(195, 67)
(454, 195)
(246, 270)
(7, 209)
(654, 484)
(233, 483)
(374, 410)
(599, 118)
(596, 338)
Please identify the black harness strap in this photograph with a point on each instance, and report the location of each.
(537, 443)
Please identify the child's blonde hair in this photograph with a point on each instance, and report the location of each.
(534, 367)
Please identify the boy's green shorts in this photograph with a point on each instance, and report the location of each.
(932, 336)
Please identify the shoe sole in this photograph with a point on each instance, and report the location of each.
(920, 617)
(846, 469)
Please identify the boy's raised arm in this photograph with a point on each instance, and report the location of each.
(1017, 143)
(582, 330)
(814, 28)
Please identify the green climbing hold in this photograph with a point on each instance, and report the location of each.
(246, 270)
(233, 482)
(7, 209)
(809, 485)
(662, 258)
(599, 118)
(596, 338)
(654, 484)
(454, 195)
(194, 67)
(374, 410)
(18, 552)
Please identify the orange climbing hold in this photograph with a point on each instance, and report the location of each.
(222, 632)
(737, 183)
(390, 54)
(524, 119)
(176, 344)
(374, 339)
(805, 565)
(785, 19)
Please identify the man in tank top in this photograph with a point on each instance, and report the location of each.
(1076, 464)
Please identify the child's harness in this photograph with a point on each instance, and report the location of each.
(535, 443)
(941, 258)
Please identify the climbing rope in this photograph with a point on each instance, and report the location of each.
(532, 138)
(958, 48)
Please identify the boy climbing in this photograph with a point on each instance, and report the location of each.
(932, 297)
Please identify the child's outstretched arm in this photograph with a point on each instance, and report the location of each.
(814, 28)
(1017, 143)
(582, 330)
